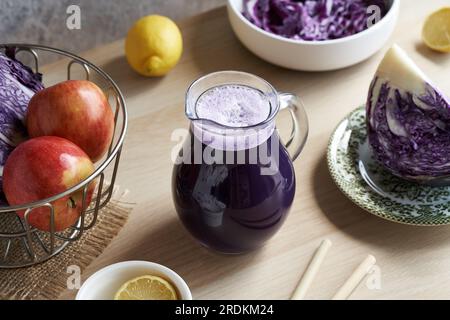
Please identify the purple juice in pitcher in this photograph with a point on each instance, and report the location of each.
(233, 206)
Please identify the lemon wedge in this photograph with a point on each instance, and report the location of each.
(436, 30)
(146, 288)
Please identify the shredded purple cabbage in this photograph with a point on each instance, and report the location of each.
(18, 83)
(422, 151)
(312, 20)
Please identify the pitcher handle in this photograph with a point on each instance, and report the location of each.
(299, 133)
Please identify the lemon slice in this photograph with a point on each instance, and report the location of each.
(436, 30)
(146, 288)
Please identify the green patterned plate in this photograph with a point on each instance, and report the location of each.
(371, 187)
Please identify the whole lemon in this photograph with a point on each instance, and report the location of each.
(153, 45)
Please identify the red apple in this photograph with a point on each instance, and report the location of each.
(41, 168)
(77, 110)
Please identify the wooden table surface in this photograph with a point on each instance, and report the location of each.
(414, 261)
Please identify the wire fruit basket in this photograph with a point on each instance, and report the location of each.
(22, 245)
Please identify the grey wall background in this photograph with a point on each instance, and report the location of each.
(102, 21)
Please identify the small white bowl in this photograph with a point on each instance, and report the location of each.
(312, 55)
(103, 284)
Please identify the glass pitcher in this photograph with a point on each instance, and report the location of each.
(233, 182)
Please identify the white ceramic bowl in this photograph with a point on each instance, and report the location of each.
(312, 55)
(103, 284)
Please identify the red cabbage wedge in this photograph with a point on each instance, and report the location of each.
(18, 84)
(408, 120)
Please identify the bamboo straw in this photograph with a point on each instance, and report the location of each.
(352, 282)
(311, 270)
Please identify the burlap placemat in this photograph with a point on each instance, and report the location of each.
(48, 279)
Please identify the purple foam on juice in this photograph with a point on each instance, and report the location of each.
(236, 115)
(233, 105)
